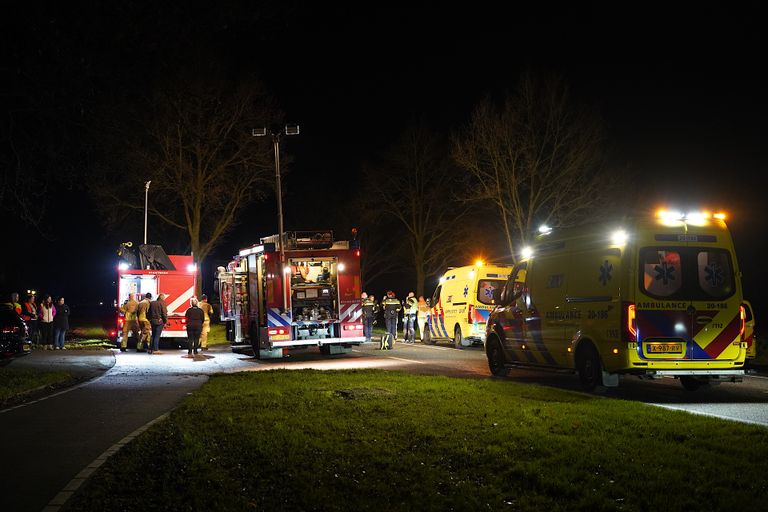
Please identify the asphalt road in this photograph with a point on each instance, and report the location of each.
(48, 442)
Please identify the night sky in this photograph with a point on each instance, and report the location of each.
(681, 88)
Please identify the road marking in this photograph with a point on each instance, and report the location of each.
(710, 414)
(406, 360)
(393, 357)
(60, 499)
(67, 390)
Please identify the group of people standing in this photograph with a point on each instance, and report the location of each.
(415, 312)
(146, 319)
(47, 322)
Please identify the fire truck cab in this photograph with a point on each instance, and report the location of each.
(310, 299)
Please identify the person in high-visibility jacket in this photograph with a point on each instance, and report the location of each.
(207, 315)
(391, 307)
(146, 327)
(130, 321)
(409, 317)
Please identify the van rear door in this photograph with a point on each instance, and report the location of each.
(689, 308)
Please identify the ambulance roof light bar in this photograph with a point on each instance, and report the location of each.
(696, 216)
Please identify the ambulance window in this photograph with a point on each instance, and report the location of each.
(715, 273)
(516, 284)
(485, 289)
(436, 296)
(661, 272)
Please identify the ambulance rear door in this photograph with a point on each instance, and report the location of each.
(689, 299)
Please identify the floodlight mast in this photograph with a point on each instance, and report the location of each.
(146, 204)
(277, 132)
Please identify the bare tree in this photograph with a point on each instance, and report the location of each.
(414, 185)
(204, 164)
(537, 158)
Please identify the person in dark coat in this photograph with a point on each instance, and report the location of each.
(60, 324)
(195, 320)
(158, 317)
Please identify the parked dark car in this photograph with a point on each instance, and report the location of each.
(14, 336)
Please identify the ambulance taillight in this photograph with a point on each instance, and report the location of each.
(743, 318)
(629, 322)
(470, 314)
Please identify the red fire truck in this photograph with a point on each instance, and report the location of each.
(311, 299)
(154, 271)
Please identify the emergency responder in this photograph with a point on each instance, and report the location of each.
(144, 325)
(208, 314)
(29, 315)
(130, 323)
(422, 316)
(410, 308)
(391, 308)
(370, 308)
(158, 317)
(15, 302)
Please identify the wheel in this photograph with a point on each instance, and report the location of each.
(458, 339)
(428, 337)
(589, 367)
(496, 360)
(691, 383)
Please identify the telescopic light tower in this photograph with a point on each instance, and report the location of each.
(277, 132)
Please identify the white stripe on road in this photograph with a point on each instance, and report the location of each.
(406, 360)
(60, 499)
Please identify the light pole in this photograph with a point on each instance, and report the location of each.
(146, 204)
(277, 132)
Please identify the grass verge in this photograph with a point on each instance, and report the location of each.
(15, 382)
(373, 440)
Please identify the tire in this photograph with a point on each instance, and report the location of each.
(589, 367)
(428, 337)
(496, 359)
(458, 339)
(691, 383)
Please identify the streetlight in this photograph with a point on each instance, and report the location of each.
(277, 132)
(146, 204)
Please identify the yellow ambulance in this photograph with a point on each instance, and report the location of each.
(652, 297)
(462, 302)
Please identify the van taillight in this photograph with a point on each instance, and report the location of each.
(743, 316)
(470, 311)
(629, 322)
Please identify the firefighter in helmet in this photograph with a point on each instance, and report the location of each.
(146, 327)
(207, 315)
(391, 307)
(130, 322)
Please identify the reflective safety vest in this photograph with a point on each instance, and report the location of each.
(391, 306)
(411, 305)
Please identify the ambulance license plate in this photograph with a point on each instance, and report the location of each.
(665, 348)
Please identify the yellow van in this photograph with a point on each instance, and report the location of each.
(462, 302)
(650, 297)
